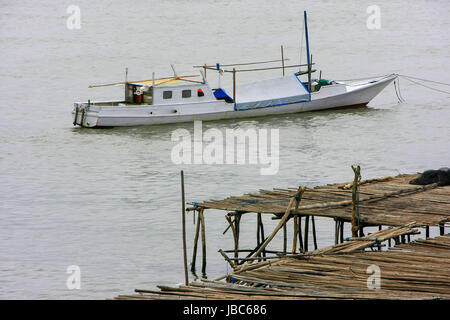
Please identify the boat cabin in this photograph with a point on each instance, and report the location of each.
(172, 91)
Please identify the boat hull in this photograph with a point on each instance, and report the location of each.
(330, 97)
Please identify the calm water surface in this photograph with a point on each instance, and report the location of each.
(109, 200)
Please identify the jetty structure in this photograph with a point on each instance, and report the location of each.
(408, 268)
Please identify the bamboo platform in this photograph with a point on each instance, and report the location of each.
(408, 270)
(389, 201)
(416, 270)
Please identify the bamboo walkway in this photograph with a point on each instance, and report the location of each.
(408, 270)
(416, 270)
(426, 205)
(388, 201)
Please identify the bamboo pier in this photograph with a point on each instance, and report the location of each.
(379, 202)
(416, 269)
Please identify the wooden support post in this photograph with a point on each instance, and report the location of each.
(227, 258)
(294, 239)
(258, 221)
(336, 231)
(284, 239)
(235, 236)
(237, 222)
(183, 215)
(306, 233)
(234, 85)
(441, 229)
(261, 228)
(197, 233)
(427, 232)
(282, 59)
(300, 238)
(355, 210)
(202, 220)
(314, 232)
(341, 231)
(280, 224)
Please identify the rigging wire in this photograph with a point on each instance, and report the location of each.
(397, 90)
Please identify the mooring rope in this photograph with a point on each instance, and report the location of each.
(409, 78)
(397, 90)
(426, 80)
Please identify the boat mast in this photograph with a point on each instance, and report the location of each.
(307, 51)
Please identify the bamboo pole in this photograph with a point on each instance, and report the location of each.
(314, 232)
(197, 233)
(268, 68)
(258, 221)
(306, 233)
(294, 240)
(300, 240)
(233, 229)
(183, 214)
(230, 261)
(280, 224)
(336, 231)
(242, 64)
(354, 200)
(139, 81)
(296, 224)
(261, 228)
(202, 221)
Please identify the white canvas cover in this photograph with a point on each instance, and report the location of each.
(270, 93)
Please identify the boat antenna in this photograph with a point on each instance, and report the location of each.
(307, 51)
(174, 72)
(203, 76)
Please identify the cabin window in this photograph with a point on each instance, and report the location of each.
(186, 94)
(167, 94)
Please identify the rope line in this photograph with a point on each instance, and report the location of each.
(421, 84)
(426, 80)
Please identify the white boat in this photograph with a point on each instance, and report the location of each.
(184, 99)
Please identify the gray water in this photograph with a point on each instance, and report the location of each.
(109, 200)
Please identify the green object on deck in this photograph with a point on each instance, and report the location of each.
(323, 82)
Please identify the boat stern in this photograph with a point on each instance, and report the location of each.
(82, 115)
